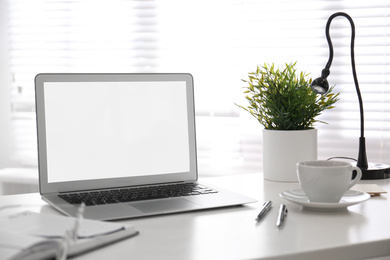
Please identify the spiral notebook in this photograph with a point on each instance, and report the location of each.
(30, 235)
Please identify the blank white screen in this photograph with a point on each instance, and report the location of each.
(98, 130)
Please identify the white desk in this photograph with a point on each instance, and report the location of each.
(361, 232)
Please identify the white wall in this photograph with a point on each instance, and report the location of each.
(5, 115)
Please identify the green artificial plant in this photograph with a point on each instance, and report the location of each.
(281, 100)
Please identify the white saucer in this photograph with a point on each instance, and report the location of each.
(351, 197)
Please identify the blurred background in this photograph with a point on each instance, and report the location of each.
(219, 42)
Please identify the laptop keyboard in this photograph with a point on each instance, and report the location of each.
(136, 193)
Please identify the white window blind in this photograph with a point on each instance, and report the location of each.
(72, 36)
(224, 40)
(219, 42)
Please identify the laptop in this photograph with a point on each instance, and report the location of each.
(122, 144)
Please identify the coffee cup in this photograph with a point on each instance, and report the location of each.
(326, 181)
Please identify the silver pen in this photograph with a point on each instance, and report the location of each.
(282, 215)
(266, 206)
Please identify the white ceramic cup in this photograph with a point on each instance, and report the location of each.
(326, 181)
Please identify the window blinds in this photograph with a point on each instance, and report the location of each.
(219, 42)
(73, 36)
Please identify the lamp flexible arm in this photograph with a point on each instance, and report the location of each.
(362, 159)
(352, 62)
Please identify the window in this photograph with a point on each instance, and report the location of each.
(217, 41)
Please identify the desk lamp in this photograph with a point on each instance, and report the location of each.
(321, 86)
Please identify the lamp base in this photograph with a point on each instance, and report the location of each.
(376, 171)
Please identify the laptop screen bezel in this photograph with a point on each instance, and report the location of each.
(47, 187)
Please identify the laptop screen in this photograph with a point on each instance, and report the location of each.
(124, 127)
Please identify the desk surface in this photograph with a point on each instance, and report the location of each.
(360, 232)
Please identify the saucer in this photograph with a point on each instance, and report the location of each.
(351, 197)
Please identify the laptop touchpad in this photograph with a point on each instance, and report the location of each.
(164, 205)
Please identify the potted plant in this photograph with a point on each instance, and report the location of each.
(283, 102)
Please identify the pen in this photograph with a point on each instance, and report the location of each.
(282, 215)
(266, 206)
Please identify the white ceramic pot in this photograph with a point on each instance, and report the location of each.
(282, 150)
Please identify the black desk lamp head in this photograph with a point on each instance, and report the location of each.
(321, 86)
